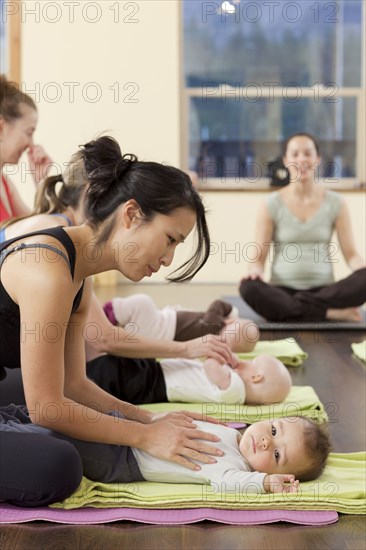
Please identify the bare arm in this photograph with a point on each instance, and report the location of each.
(346, 239)
(115, 340)
(263, 238)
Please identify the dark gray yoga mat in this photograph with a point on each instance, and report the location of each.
(247, 312)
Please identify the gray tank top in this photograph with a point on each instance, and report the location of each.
(303, 254)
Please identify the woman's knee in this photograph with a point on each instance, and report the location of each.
(64, 471)
(359, 277)
(37, 470)
(247, 288)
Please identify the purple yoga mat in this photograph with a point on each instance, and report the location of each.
(88, 516)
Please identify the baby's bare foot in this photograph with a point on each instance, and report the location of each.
(346, 314)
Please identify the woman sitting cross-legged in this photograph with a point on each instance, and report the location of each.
(300, 220)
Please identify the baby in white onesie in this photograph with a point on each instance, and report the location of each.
(271, 456)
(263, 379)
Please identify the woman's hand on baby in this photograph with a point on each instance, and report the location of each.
(210, 345)
(281, 483)
(183, 418)
(169, 441)
(179, 418)
(39, 162)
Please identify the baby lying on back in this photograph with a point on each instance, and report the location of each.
(263, 379)
(270, 456)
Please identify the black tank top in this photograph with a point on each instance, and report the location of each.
(9, 310)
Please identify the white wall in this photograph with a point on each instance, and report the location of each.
(142, 48)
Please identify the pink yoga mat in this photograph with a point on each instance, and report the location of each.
(236, 425)
(88, 516)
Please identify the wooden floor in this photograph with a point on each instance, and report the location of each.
(339, 380)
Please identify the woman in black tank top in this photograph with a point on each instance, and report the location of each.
(136, 213)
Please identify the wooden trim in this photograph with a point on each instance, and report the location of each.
(270, 189)
(361, 107)
(224, 92)
(183, 120)
(14, 26)
(262, 185)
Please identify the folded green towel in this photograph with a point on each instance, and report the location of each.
(340, 488)
(287, 351)
(360, 350)
(302, 400)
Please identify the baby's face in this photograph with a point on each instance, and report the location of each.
(274, 447)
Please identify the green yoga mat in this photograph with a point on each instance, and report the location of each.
(340, 488)
(302, 400)
(287, 351)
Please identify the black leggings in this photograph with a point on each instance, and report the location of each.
(277, 303)
(36, 470)
(39, 466)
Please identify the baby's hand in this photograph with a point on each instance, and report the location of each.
(281, 483)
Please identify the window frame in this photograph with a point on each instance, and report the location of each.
(358, 93)
(13, 42)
